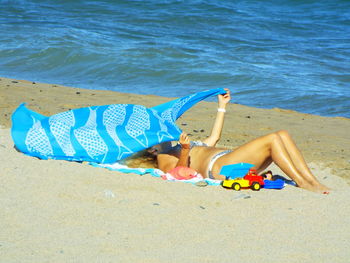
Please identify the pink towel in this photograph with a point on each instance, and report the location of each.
(182, 173)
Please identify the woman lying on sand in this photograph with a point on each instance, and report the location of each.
(205, 158)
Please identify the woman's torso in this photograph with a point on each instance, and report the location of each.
(200, 157)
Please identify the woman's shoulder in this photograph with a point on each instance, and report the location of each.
(166, 161)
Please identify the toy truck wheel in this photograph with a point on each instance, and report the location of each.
(255, 186)
(236, 186)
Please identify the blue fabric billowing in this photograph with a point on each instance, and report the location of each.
(101, 134)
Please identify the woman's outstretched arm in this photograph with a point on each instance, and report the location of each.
(219, 120)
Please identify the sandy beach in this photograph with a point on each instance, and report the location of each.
(58, 211)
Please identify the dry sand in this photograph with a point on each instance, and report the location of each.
(57, 211)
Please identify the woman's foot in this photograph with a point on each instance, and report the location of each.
(323, 189)
(317, 188)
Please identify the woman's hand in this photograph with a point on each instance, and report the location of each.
(185, 150)
(223, 99)
(184, 140)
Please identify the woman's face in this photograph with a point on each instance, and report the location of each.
(160, 148)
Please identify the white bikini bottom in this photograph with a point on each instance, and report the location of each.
(213, 160)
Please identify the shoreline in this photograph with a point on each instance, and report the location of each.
(7, 83)
(12, 82)
(321, 139)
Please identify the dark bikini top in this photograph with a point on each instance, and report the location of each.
(177, 147)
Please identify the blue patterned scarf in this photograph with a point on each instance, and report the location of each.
(101, 134)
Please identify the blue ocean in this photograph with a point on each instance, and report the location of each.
(292, 54)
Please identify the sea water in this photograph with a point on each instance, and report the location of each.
(288, 54)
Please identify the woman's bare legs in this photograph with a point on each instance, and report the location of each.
(262, 151)
(298, 159)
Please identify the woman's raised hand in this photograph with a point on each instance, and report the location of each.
(184, 140)
(223, 99)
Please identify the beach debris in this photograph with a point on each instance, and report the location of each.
(184, 124)
(195, 130)
(240, 196)
(201, 183)
(157, 204)
(248, 117)
(13, 81)
(109, 193)
(78, 92)
(33, 82)
(202, 207)
(202, 130)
